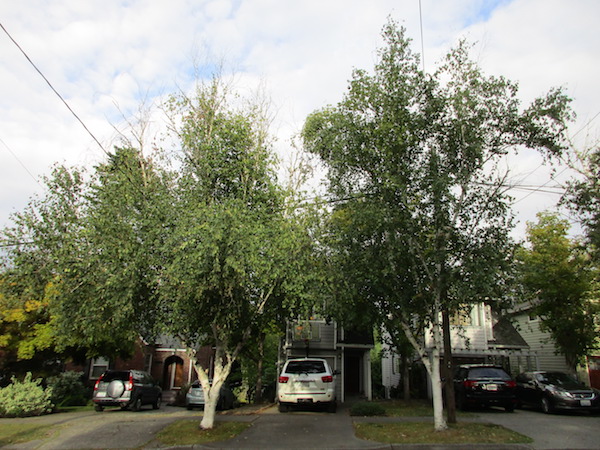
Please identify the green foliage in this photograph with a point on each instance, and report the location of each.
(557, 279)
(421, 220)
(413, 161)
(583, 197)
(25, 398)
(367, 409)
(68, 389)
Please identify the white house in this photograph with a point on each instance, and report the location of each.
(346, 351)
(477, 336)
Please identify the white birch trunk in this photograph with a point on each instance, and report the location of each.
(436, 381)
(222, 368)
(432, 364)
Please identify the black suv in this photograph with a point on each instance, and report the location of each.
(484, 385)
(126, 388)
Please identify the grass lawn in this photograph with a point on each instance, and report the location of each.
(188, 432)
(423, 433)
(15, 433)
(412, 408)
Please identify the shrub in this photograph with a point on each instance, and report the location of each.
(68, 390)
(25, 398)
(367, 409)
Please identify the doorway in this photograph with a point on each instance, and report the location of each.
(173, 373)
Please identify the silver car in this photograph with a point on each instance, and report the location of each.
(195, 397)
(305, 382)
(127, 389)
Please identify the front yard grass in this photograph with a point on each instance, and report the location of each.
(16, 433)
(188, 432)
(423, 433)
(407, 408)
(412, 408)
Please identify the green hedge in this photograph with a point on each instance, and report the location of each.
(68, 389)
(367, 409)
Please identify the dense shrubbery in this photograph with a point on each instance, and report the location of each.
(25, 398)
(367, 409)
(68, 390)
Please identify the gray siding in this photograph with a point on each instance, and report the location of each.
(541, 344)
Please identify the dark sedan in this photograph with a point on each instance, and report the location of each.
(484, 385)
(553, 391)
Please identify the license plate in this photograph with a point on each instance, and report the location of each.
(305, 383)
(586, 403)
(305, 400)
(101, 394)
(491, 387)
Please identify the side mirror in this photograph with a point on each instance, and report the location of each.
(336, 372)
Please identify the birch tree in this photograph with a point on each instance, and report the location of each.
(234, 258)
(422, 216)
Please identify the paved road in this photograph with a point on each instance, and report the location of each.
(272, 430)
(550, 431)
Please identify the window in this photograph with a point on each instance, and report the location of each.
(461, 318)
(306, 330)
(98, 367)
(305, 367)
(468, 316)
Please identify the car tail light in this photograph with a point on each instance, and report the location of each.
(97, 383)
(283, 379)
(469, 384)
(511, 384)
(129, 384)
(327, 379)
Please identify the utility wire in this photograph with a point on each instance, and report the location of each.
(20, 162)
(422, 41)
(54, 90)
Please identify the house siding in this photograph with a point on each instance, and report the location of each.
(541, 344)
(475, 338)
(325, 340)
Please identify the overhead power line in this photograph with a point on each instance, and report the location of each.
(53, 89)
(19, 161)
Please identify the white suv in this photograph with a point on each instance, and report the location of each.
(306, 381)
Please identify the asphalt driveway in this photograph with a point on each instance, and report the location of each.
(316, 430)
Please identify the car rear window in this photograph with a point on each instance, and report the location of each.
(117, 375)
(305, 367)
(488, 372)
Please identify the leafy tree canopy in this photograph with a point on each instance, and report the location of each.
(557, 278)
(421, 219)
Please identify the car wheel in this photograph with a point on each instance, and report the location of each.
(137, 404)
(189, 407)
(99, 408)
(283, 408)
(156, 404)
(547, 406)
(332, 407)
(509, 407)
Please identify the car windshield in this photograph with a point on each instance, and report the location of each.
(116, 375)
(556, 378)
(488, 372)
(305, 367)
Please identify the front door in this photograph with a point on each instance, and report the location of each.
(352, 374)
(173, 373)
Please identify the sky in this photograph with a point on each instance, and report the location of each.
(106, 57)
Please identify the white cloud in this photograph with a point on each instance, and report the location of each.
(103, 53)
